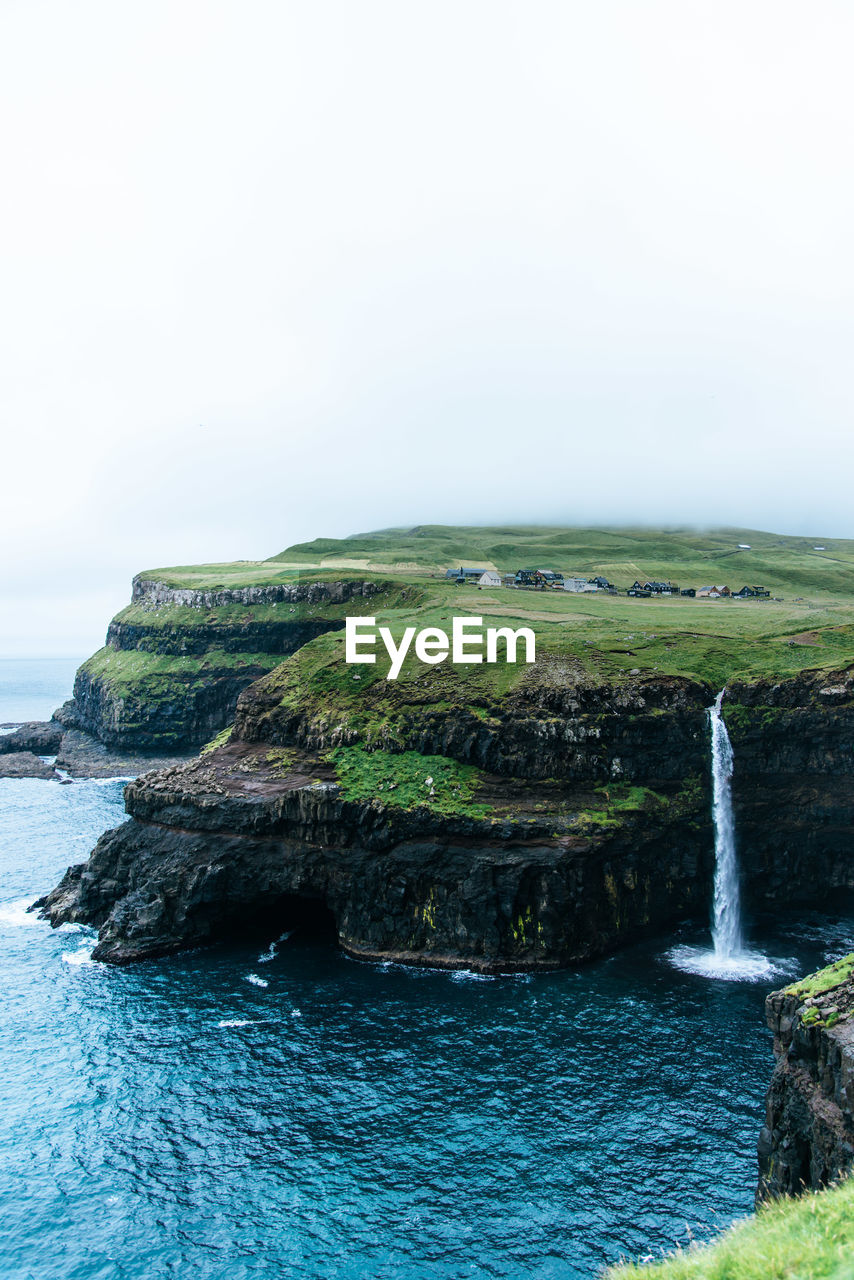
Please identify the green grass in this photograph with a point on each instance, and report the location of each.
(817, 984)
(131, 667)
(220, 740)
(811, 1238)
(596, 640)
(689, 556)
(408, 780)
(602, 638)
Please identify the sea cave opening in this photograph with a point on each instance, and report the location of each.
(267, 919)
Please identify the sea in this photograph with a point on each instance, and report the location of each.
(273, 1109)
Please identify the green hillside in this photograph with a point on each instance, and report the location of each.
(807, 623)
(689, 556)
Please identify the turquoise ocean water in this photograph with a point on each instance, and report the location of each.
(282, 1111)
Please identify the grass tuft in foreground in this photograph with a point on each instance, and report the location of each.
(817, 984)
(811, 1238)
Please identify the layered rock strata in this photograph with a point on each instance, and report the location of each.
(591, 825)
(176, 661)
(807, 1140)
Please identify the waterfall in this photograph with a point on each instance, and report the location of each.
(728, 959)
(726, 929)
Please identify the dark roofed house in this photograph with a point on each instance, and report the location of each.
(746, 593)
(538, 578)
(464, 575)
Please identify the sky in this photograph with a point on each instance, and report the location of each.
(275, 271)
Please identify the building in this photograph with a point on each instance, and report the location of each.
(747, 593)
(654, 588)
(489, 578)
(575, 582)
(538, 578)
(464, 575)
(714, 593)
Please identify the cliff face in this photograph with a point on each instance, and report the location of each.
(550, 725)
(228, 839)
(808, 1137)
(793, 784)
(574, 818)
(176, 661)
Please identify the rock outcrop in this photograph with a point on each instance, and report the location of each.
(177, 659)
(230, 840)
(591, 824)
(807, 1141)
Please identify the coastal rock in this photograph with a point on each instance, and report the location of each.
(593, 822)
(73, 753)
(41, 737)
(228, 841)
(807, 1140)
(24, 764)
(177, 659)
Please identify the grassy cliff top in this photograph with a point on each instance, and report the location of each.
(807, 624)
(816, 984)
(811, 1238)
(687, 556)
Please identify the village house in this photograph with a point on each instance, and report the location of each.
(489, 578)
(747, 593)
(653, 588)
(538, 578)
(714, 593)
(576, 582)
(464, 575)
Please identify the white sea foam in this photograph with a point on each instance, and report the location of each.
(469, 975)
(235, 1022)
(256, 981)
(273, 949)
(77, 959)
(746, 966)
(16, 913)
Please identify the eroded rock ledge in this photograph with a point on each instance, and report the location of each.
(807, 1141)
(572, 820)
(229, 838)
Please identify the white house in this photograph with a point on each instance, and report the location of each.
(578, 584)
(489, 578)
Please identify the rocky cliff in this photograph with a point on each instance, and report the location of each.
(531, 828)
(808, 1137)
(177, 659)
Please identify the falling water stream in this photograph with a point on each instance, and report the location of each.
(726, 929)
(728, 958)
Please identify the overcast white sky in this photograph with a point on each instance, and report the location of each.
(280, 270)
